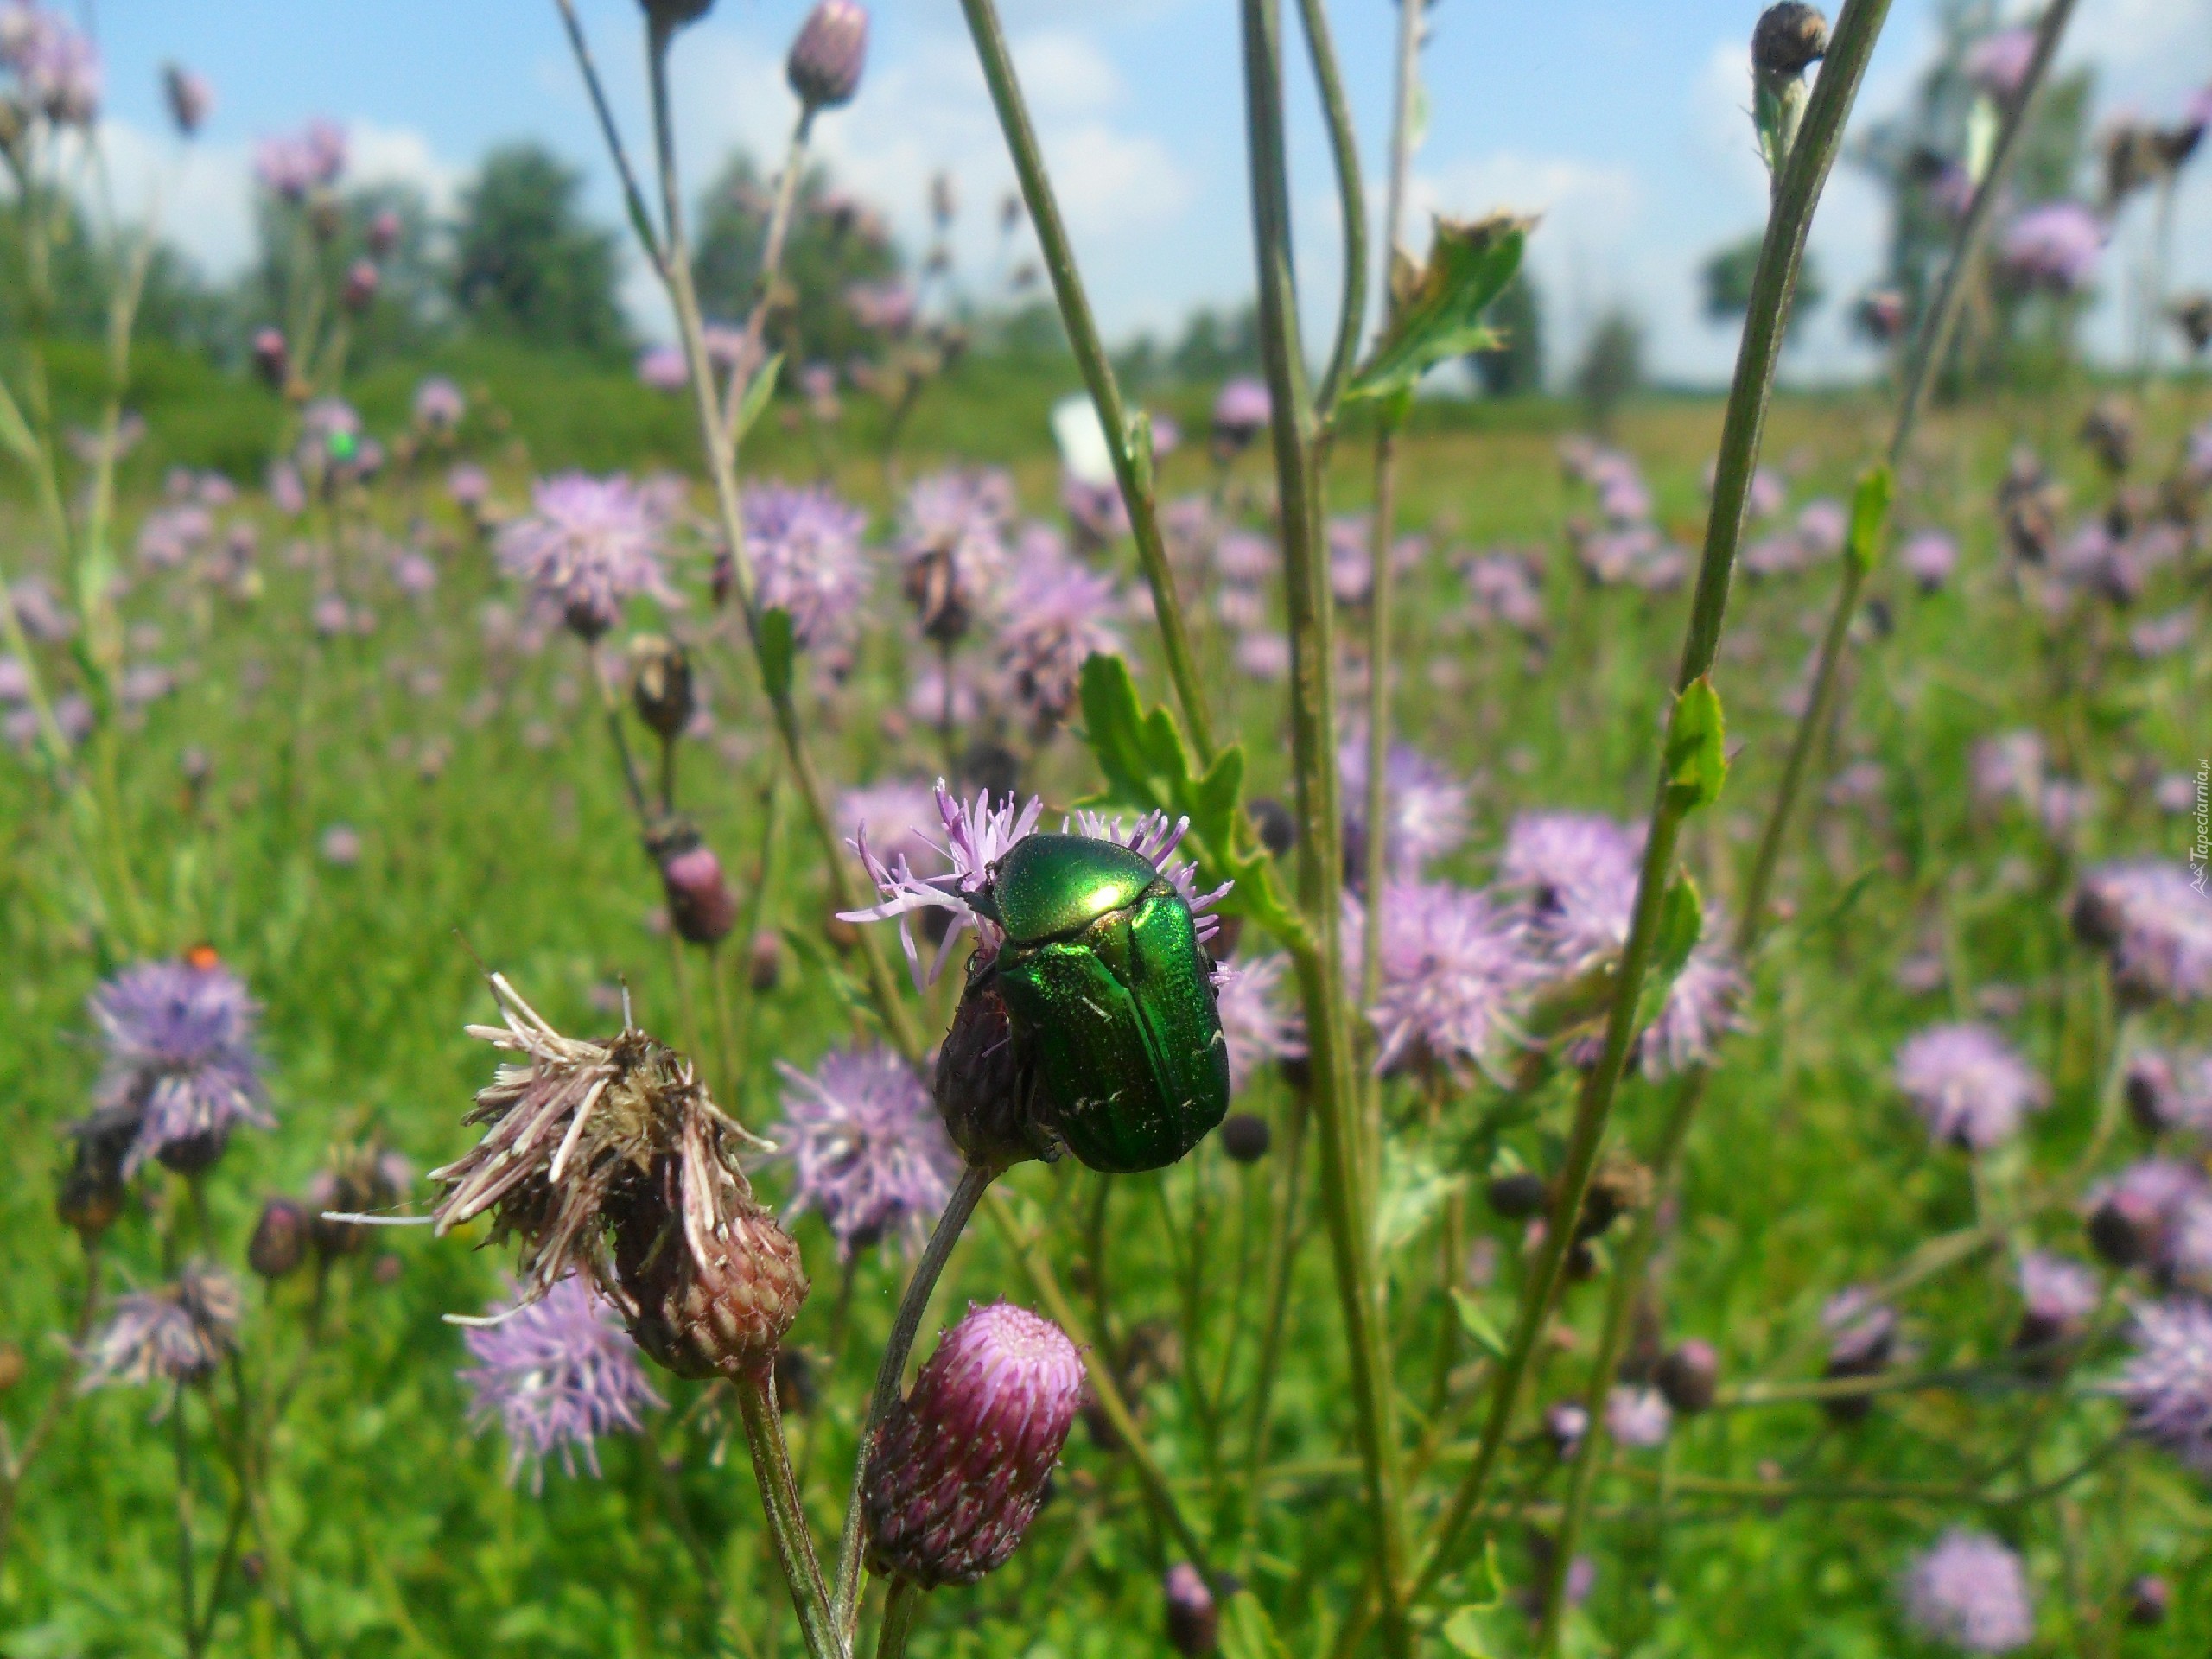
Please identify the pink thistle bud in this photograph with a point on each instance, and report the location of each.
(827, 57)
(700, 904)
(383, 234)
(1193, 1619)
(272, 358)
(190, 98)
(361, 284)
(959, 1467)
(280, 1239)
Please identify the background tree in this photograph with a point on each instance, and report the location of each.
(1216, 344)
(525, 262)
(1514, 366)
(1725, 279)
(1611, 367)
(834, 243)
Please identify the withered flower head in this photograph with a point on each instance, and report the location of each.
(609, 1159)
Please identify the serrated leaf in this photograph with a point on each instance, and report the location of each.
(1438, 315)
(1697, 758)
(1148, 766)
(1475, 1324)
(1247, 1632)
(758, 391)
(1870, 516)
(777, 647)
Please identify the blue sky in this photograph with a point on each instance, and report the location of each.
(1621, 120)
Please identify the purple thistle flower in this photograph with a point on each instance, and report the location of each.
(2134, 1216)
(2053, 246)
(293, 165)
(56, 68)
(1969, 1084)
(978, 835)
(557, 1372)
(952, 543)
(664, 368)
(178, 1334)
(1701, 1006)
(1504, 589)
(468, 485)
(2166, 1384)
(1240, 412)
(1264, 655)
(2008, 767)
(1638, 1417)
(587, 544)
(1998, 64)
(190, 98)
(886, 308)
(1929, 558)
(439, 404)
(1245, 555)
(959, 1467)
(867, 1150)
(1259, 1029)
(1862, 1332)
(1096, 511)
(2058, 1294)
(1577, 873)
(1822, 526)
(181, 1058)
(1426, 806)
(2156, 920)
(1056, 613)
(897, 818)
(1970, 1590)
(1455, 972)
(805, 549)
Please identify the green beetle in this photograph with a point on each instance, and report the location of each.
(1107, 988)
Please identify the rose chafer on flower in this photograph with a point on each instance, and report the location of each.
(1089, 1019)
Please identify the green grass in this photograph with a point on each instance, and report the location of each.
(1806, 1173)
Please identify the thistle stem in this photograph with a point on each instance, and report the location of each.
(771, 264)
(1131, 450)
(1351, 201)
(891, 1370)
(786, 1517)
(180, 1440)
(1930, 343)
(1317, 955)
(901, 1608)
(1774, 284)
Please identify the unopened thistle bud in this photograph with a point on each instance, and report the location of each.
(2150, 1598)
(701, 907)
(1688, 1376)
(960, 1465)
(383, 234)
(189, 97)
(91, 1192)
(279, 1243)
(272, 358)
(1245, 1137)
(982, 1084)
(1193, 1618)
(1789, 40)
(827, 58)
(669, 15)
(660, 684)
(1518, 1196)
(764, 961)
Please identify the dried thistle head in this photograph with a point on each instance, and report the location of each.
(589, 1143)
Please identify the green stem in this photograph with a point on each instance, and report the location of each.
(1132, 451)
(901, 1609)
(1280, 1261)
(180, 1440)
(772, 1469)
(1773, 285)
(1352, 200)
(1318, 955)
(772, 265)
(890, 1372)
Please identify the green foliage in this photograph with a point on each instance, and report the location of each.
(1727, 277)
(1697, 753)
(1436, 312)
(1611, 369)
(527, 264)
(1870, 519)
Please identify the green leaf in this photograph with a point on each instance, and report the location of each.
(777, 647)
(758, 391)
(1681, 925)
(1414, 1186)
(1148, 766)
(1465, 1630)
(1247, 1632)
(1438, 313)
(1870, 516)
(1697, 758)
(1140, 451)
(15, 430)
(1475, 1324)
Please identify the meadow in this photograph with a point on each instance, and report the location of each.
(332, 727)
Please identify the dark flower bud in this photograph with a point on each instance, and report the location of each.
(1193, 1620)
(1515, 1196)
(669, 15)
(11, 1366)
(362, 282)
(272, 358)
(2150, 1598)
(91, 1193)
(326, 216)
(1788, 39)
(1880, 315)
(983, 1083)
(960, 1465)
(189, 97)
(1614, 1191)
(1566, 1423)
(2192, 314)
(660, 684)
(279, 1243)
(383, 234)
(1862, 1338)
(1688, 1376)
(764, 961)
(2126, 1228)
(1245, 1137)
(714, 1280)
(701, 907)
(1277, 830)
(827, 58)
(252, 1567)
(2108, 432)
(2149, 1089)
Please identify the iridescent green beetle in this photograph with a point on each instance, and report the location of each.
(1108, 989)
